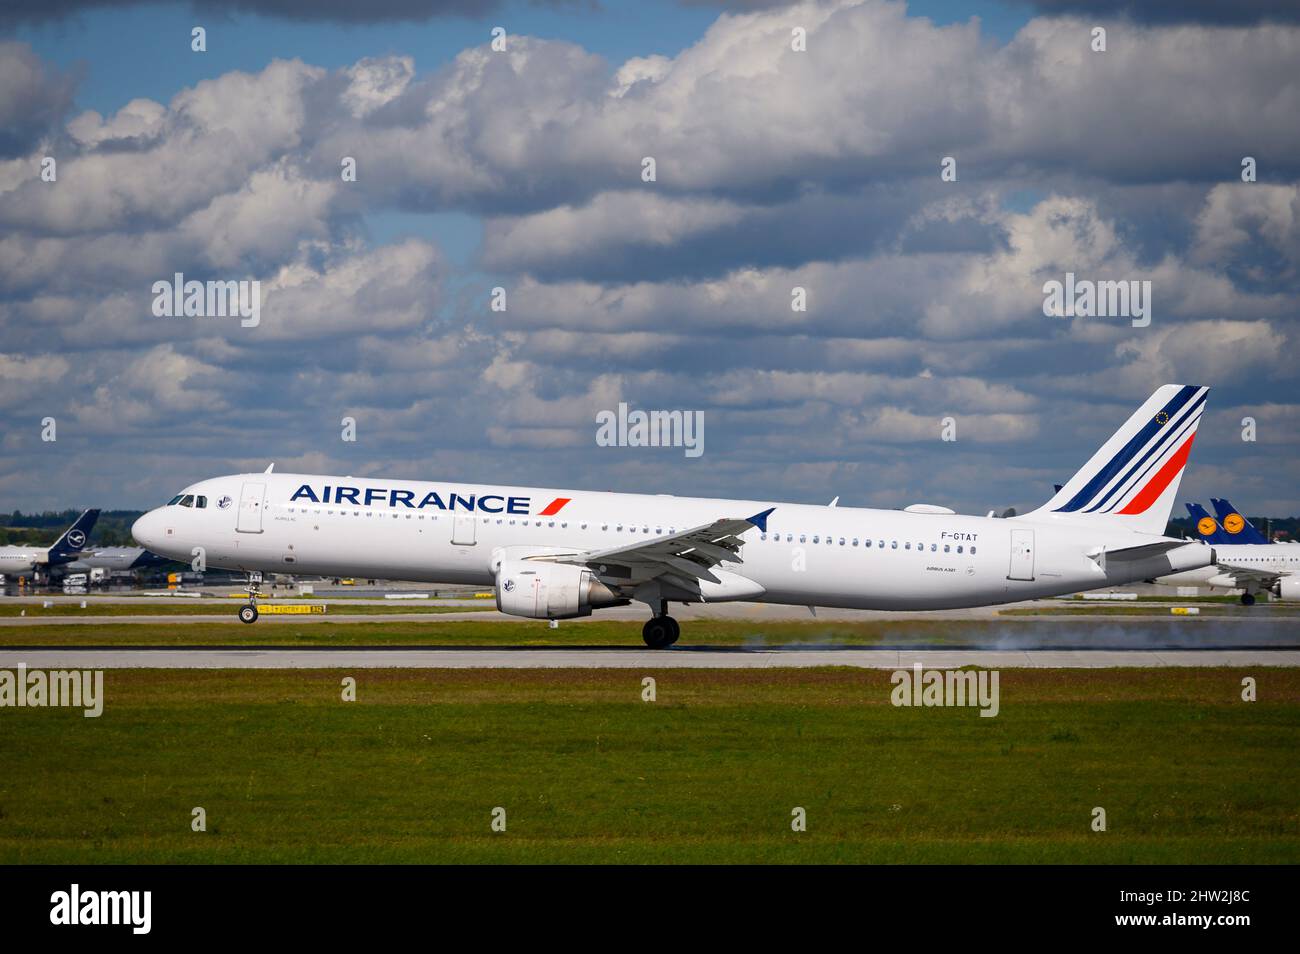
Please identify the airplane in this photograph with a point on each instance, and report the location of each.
(1252, 567)
(1235, 525)
(1207, 528)
(560, 554)
(117, 558)
(19, 560)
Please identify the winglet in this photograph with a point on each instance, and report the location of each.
(760, 519)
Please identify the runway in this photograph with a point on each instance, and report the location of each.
(640, 659)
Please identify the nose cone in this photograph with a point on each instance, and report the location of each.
(147, 531)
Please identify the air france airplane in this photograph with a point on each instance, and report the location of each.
(20, 560)
(559, 554)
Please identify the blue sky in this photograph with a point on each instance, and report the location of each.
(144, 50)
(817, 169)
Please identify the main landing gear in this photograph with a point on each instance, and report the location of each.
(1248, 598)
(661, 631)
(248, 612)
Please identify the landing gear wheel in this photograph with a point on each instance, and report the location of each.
(1247, 599)
(677, 630)
(248, 613)
(660, 632)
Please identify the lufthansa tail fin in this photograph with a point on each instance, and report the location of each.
(1236, 528)
(1207, 528)
(69, 546)
(1132, 480)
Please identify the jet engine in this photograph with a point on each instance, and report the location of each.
(1288, 588)
(539, 589)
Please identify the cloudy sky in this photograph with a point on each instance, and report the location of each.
(522, 169)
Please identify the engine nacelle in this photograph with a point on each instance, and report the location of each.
(1288, 588)
(539, 589)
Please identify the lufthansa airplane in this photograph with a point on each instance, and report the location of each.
(559, 554)
(20, 560)
(1244, 558)
(116, 559)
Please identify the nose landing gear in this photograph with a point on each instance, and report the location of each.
(248, 612)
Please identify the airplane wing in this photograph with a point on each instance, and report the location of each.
(1248, 574)
(682, 559)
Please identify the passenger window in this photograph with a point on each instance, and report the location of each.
(959, 548)
(855, 541)
(842, 542)
(934, 547)
(893, 544)
(972, 551)
(947, 548)
(815, 540)
(803, 538)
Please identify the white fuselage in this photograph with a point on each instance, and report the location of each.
(1278, 559)
(20, 560)
(809, 555)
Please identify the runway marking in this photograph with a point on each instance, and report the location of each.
(700, 658)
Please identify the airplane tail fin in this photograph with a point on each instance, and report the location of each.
(1236, 528)
(1207, 528)
(1132, 480)
(73, 540)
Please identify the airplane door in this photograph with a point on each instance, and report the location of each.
(251, 504)
(1022, 555)
(463, 530)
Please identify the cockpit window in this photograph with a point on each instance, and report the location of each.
(200, 502)
(175, 500)
(187, 500)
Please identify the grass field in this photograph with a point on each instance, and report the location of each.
(587, 772)
(183, 608)
(994, 633)
(1155, 609)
